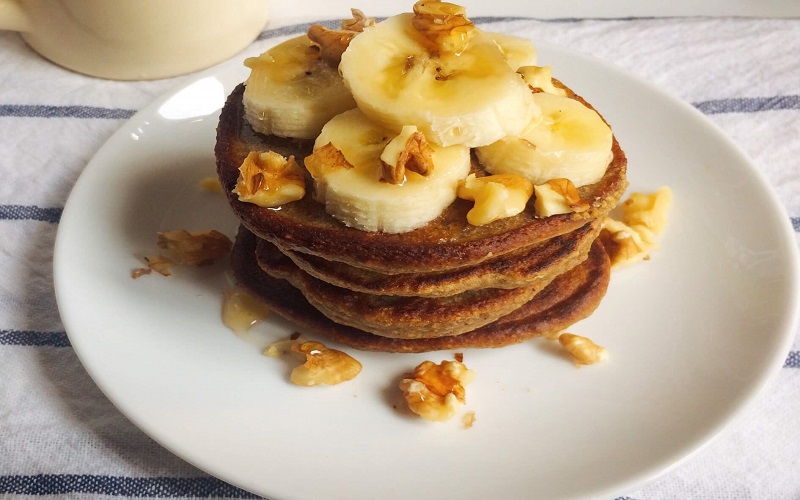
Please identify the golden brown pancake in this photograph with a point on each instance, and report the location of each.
(445, 243)
(397, 316)
(570, 297)
(536, 264)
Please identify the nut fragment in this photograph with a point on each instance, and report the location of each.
(644, 217)
(157, 263)
(193, 248)
(323, 366)
(359, 22)
(623, 243)
(582, 349)
(495, 196)
(468, 419)
(268, 179)
(333, 43)
(444, 25)
(282, 346)
(557, 196)
(198, 248)
(647, 211)
(324, 160)
(408, 151)
(436, 392)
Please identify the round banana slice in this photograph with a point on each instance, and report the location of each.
(569, 141)
(292, 92)
(468, 95)
(518, 51)
(349, 177)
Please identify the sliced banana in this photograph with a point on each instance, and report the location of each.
(466, 94)
(540, 77)
(348, 177)
(517, 50)
(568, 141)
(292, 92)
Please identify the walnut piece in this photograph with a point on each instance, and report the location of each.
(582, 349)
(333, 43)
(157, 263)
(436, 391)
(198, 248)
(325, 160)
(194, 248)
(282, 346)
(323, 366)
(495, 196)
(268, 179)
(644, 217)
(468, 419)
(408, 151)
(443, 25)
(557, 196)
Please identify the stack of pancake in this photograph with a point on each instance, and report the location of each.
(447, 285)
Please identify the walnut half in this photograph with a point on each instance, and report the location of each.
(268, 179)
(496, 196)
(408, 151)
(436, 391)
(444, 25)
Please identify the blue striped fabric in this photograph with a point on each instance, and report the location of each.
(30, 212)
(154, 487)
(31, 338)
(749, 104)
(39, 111)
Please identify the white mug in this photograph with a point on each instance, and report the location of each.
(135, 39)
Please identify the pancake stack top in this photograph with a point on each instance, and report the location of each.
(417, 184)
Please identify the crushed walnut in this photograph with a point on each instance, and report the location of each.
(333, 43)
(582, 349)
(443, 25)
(436, 391)
(557, 196)
(408, 151)
(269, 179)
(495, 196)
(323, 365)
(324, 160)
(186, 248)
(635, 237)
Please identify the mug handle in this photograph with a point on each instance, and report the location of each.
(13, 16)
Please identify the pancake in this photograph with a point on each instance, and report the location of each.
(570, 297)
(397, 316)
(536, 264)
(446, 243)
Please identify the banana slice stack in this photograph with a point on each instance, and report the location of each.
(453, 189)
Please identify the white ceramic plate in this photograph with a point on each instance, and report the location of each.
(693, 334)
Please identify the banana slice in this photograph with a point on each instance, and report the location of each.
(569, 141)
(517, 50)
(292, 92)
(349, 180)
(447, 78)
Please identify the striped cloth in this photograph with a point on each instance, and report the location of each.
(61, 438)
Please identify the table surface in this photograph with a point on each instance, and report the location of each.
(736, 61)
